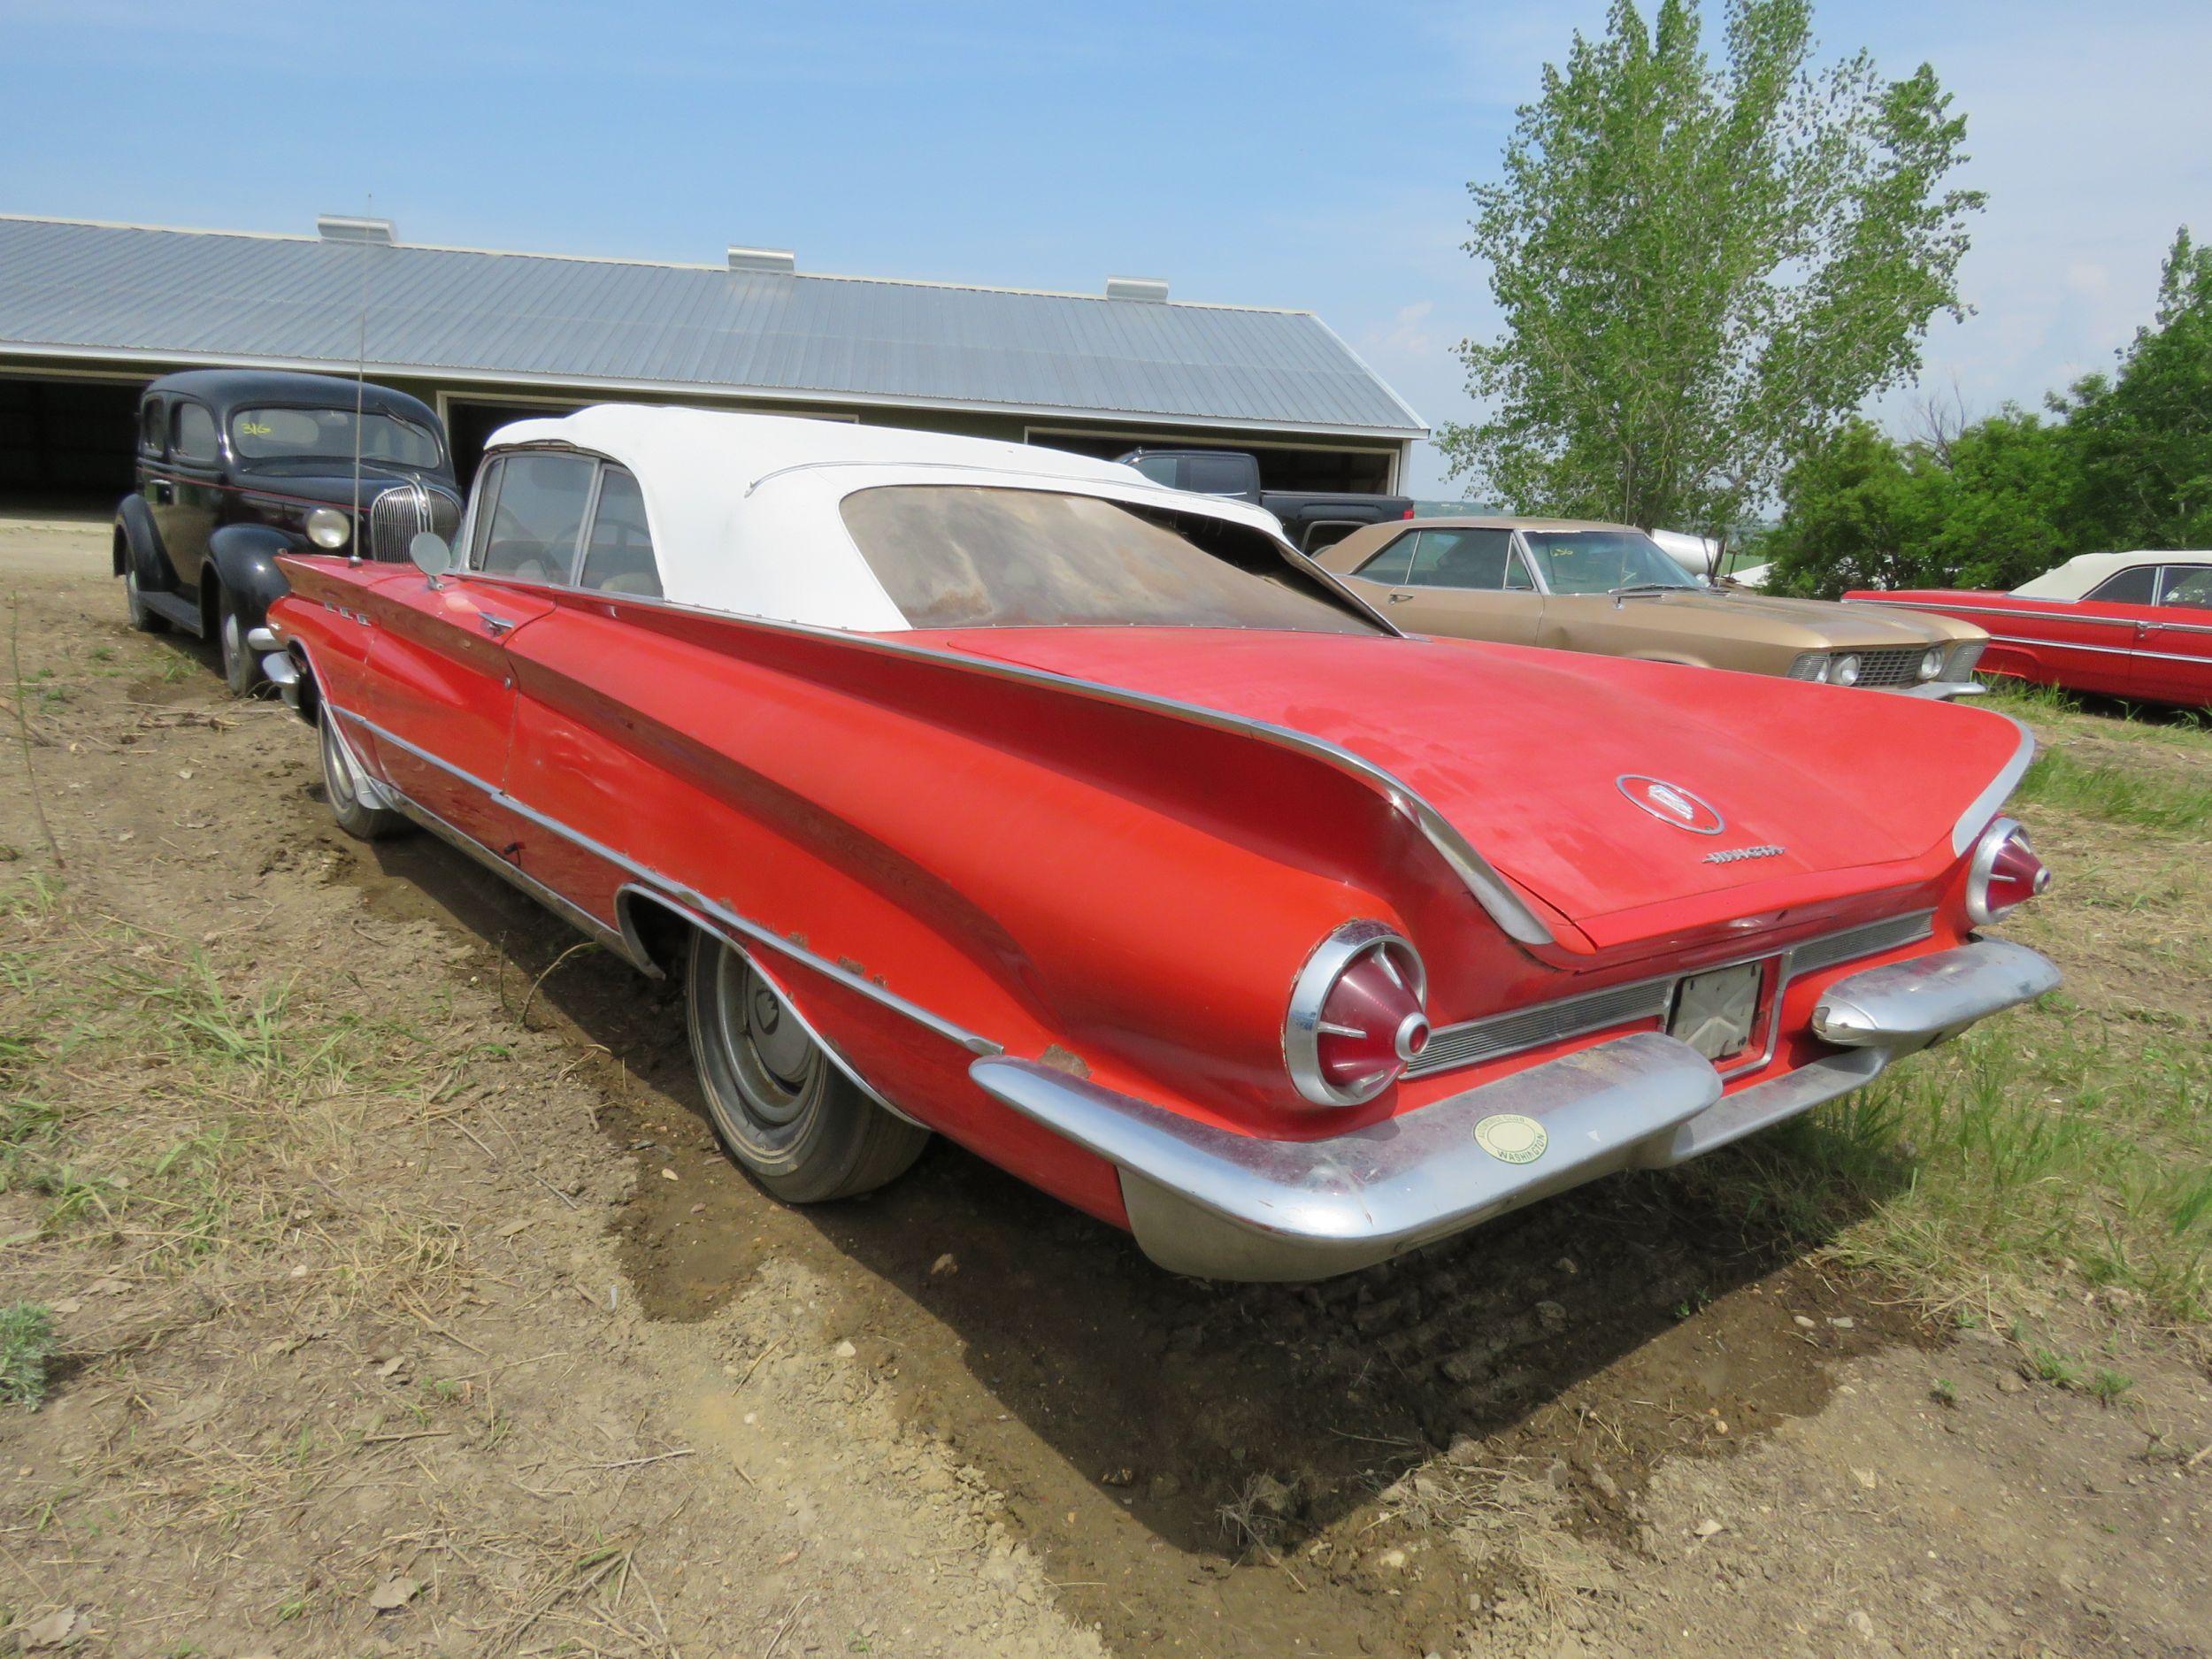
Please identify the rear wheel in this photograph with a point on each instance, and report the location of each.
(783, 1110)
(143, 617)
(239, 669)
(342, 787)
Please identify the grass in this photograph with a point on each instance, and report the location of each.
(27, 1345)
(2116, 794)
(2037, 1147)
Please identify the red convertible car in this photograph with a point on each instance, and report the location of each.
(2126, 625)
(981, 789)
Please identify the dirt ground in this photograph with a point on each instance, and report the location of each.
(493, 1353)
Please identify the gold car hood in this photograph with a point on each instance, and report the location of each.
(1801, 623)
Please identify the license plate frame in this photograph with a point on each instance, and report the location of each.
(1717, 1012)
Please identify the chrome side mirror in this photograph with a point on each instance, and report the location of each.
(432, 557)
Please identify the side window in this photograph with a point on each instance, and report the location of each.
(537, 516)
(1389, 565)
(619, 553)
(153, 421)
(194, 436)
(1219, 474)
(1472, 559)
(2189, 587)
(1159, 468)
(2129, 587)
(480, 513)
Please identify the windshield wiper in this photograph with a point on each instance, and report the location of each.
(1638, 590)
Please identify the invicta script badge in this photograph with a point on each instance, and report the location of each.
(1733, 855)
(1512, 1139)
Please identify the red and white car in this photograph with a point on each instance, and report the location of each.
(2124, 625)
(979, 789)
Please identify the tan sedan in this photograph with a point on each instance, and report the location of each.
(1609, 588)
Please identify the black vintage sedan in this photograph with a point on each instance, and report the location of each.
(238, 465)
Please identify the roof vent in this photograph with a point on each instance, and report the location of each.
(775, 261)
(345, 227)
(1136, 288)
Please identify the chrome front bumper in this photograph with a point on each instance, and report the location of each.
(1214, 1204)
(1939, 690)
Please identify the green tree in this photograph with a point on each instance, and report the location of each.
(1702, 271)
(2128, 463)
(1988, 508)
(2143, 440)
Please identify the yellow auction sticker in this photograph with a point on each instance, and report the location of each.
(1511, 1138)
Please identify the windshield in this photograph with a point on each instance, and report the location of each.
(326, 434)
(955, 556)
(1600, 561)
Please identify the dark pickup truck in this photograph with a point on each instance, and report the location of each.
(1311, 520)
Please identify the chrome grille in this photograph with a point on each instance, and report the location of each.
(403, 512)
(1815, 954)
(1477, 1039)
(1890, 667)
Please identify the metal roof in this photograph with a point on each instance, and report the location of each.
(72, 289)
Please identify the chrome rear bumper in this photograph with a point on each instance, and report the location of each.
(1216, 1204)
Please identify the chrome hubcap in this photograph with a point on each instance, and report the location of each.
(233, 640)
(765, 1045)
(337, 771)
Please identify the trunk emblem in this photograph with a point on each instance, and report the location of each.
(1670, 804)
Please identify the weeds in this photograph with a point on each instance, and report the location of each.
(27, 1344)
(2039, 1144)
(2116, 793)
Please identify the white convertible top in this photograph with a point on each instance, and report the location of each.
(2074, 579)
(743, 509)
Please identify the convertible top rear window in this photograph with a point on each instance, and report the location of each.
(958, 557)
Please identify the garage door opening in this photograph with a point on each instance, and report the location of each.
(65, 444)
(1352, 472)
(469, 427)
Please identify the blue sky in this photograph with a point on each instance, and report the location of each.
(1293, 154)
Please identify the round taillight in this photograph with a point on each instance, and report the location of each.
(2006, 873)
(1356, 1017)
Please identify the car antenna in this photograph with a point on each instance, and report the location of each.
(360, 379)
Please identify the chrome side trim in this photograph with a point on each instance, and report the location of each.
(462, 841)
(1947, 606)
(1976, 818)
(1908, 1004)
(1491, 889)
(1216, 1204)
(2114, 650)
(2051, 616)
(1497, 1035)
(664, 886)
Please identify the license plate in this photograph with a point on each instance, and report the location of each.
(1714, 1012)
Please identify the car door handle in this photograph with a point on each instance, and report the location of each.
(494, 625)
(1399, 599)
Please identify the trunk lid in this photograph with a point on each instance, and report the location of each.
(1536, 756)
